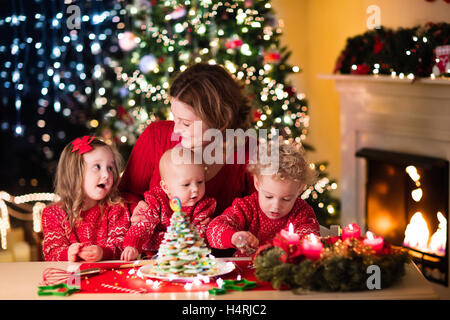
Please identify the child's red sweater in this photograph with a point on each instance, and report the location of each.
(146, 236)
(246, 215)
(142, 170)
(106, 230)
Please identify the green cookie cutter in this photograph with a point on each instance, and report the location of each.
(54, 290)
(240, 285)
(217, 291)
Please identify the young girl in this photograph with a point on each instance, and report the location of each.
(185, 180)
(253, 220)
(89, 222)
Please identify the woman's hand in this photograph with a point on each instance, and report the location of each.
(129, 253)
(245, 242)
(138, 215)
(72, 252)
(91, 253)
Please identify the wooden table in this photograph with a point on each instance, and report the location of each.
(19, 281)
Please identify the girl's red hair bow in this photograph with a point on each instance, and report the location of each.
(82, 145)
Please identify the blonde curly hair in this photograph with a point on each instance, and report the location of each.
(292, 165)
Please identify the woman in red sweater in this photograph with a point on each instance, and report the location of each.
(90, 221)
(203, 96)
(256, 219)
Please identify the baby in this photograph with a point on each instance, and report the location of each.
(182, 178)
(256, 219)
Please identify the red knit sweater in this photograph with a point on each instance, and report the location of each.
(106, 230)
(142, 170)
(146, 236)
(246, 215)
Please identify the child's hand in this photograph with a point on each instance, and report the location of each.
(73, 251)
(245, 242)
(138, 215)
(205, 222)
(129, 253)
(91, 253)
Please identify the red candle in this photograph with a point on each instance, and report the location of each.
(290, 236)
(351, 231)
(312, 247)
(376, 243)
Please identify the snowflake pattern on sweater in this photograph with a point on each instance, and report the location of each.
(146, 236)
(106, 230)
(245, 214)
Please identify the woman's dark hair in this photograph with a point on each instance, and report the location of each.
(216, 97)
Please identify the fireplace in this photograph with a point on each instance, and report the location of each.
(407, 203)
(407, 120)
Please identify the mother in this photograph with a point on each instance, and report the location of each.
(205, 93)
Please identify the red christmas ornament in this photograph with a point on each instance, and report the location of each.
(378, 46)
(232, 44)
(270, 57)
(257, 115)
(361, 69)
(124, 116)
(290, 91)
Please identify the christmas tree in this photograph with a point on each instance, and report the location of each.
(183, 251)
(165, 37)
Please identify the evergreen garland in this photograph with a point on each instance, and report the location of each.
(405, 50)
(342, 266)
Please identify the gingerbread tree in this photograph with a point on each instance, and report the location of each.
(183, 252)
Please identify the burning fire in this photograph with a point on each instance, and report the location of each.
(417, 235)
(439, 238)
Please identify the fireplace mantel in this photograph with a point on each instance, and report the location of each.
(391, 114)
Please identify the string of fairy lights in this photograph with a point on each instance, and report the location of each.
(38, 200)
(46, 59)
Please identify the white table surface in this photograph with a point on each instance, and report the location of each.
(20, 280)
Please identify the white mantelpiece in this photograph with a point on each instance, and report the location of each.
(390, 114)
